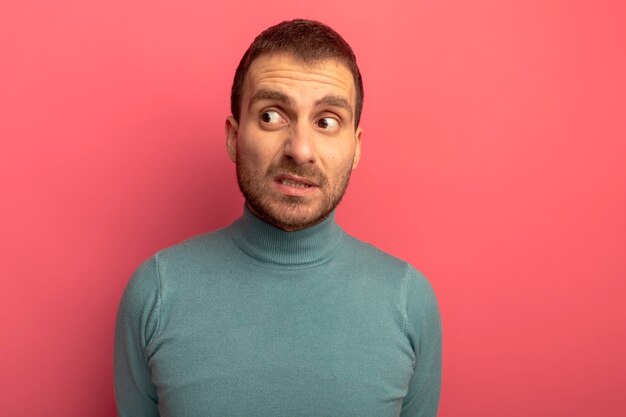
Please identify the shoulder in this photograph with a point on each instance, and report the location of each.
(178, 260)
(366, 255)
(196, 247)
(365, 250)
(369, 261)
(375, 259)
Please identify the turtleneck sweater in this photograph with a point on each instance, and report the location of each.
(251, 320)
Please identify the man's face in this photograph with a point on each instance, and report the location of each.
(295, 144)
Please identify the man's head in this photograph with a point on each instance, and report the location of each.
(294, 131)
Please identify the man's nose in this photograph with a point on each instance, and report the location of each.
(300, 145)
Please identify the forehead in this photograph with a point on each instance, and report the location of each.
(286, 73)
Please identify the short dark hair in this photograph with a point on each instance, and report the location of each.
(306, 40)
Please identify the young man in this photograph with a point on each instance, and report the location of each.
(282, 313)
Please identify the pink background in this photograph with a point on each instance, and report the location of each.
(494, 159)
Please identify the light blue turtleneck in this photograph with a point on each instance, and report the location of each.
(254, 321)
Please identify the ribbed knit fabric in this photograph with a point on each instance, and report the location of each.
(254, 321)
(272, 246)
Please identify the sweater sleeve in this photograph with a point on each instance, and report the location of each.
(136, 324)
(423, 327)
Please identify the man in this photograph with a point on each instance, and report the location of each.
(282, 313)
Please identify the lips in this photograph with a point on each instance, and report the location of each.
(294, 185)
(295, 181)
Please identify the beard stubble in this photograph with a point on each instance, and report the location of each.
(289, 212)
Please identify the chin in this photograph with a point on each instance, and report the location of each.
(292, 215)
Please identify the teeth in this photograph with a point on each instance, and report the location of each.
(296, 184)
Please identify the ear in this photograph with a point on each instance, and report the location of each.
(357, 151)
(232, 130)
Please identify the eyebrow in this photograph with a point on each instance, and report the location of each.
(267, 94)
(275, 95)
(335, 101)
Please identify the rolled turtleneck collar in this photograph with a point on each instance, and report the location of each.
(273, 246)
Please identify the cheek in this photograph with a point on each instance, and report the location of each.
(338, 161)
(254, 157)
(260, 148)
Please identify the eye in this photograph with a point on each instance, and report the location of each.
(327, 123)
(272, 117)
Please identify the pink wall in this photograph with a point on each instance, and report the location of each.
(494, 159)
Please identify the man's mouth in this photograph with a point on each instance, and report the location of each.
(292, 183)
